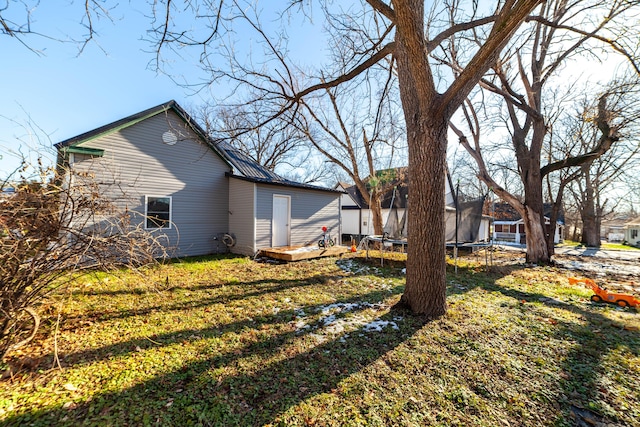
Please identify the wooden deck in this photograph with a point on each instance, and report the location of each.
(297, 253)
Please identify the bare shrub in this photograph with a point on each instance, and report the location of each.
(50, 232)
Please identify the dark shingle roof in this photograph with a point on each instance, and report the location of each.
(396, 178)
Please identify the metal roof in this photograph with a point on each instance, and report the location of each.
(249, 170)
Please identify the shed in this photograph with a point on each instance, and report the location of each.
(267, 210)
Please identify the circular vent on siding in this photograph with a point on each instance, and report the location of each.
(169, 138)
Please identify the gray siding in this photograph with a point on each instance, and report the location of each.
(310, 211)
(136, 163)
(241, 216)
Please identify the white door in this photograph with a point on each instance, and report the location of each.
(280, 221)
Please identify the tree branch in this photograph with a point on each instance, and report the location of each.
(383, 8)
(508, 20)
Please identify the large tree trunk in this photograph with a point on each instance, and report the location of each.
(590, 227)
(529, 167)
(374, 204)
(376, 212)
(536, 236)
(590, 235)
(425, 291)
(427, 124)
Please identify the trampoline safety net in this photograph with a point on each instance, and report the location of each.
(469, 218)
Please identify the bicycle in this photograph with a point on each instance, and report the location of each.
(326, 240)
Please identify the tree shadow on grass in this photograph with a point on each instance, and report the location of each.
(283, 319)
(581, 393)
(264, 381)
(260, 288)
(265, 374)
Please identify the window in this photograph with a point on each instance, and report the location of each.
(158, 212)
(634, 233)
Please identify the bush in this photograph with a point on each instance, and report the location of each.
(49, 232)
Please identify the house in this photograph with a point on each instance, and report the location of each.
(508, 226)
(632, 232)
(161, 167)
(266, 210)
(357, 217)
(612, 227)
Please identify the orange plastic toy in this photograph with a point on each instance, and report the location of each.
(601, 294)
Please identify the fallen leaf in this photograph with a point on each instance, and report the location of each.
(70, 387)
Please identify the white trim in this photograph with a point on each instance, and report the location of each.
(146, 217)
(254, 244)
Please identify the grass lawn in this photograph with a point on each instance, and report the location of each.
(229, 341)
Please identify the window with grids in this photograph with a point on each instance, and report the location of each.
(158, 212)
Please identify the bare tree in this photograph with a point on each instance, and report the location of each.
(339, 124)
(561, 31)
(17, 20)
(596, 178)
(370, 31)
(277, 145)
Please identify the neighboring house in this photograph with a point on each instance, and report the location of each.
(160, 166)
(612, 228)
(357, 218)
(632, 232)
(508, 226)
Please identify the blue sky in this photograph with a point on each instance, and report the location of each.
(64, 94)
(60, 94)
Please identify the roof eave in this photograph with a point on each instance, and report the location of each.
(290, 184)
